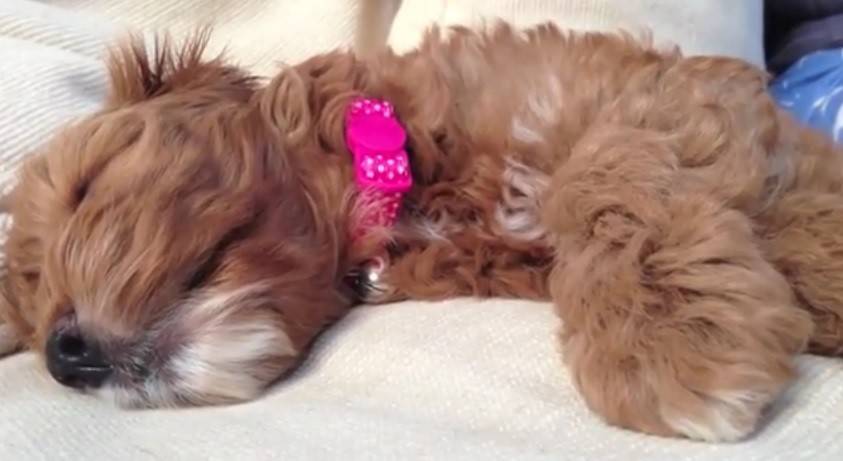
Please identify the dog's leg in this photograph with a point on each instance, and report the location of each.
(803, 237)
(673, 321)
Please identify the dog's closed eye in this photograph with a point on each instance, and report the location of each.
(80, 192)
(213, 258)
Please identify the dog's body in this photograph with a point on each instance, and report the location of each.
(195, 232)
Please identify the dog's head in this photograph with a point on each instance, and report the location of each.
(171, 248)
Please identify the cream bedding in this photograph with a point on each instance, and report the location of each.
(453, 380)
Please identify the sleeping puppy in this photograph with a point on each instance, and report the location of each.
(185, 244)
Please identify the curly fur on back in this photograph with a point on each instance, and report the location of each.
(686, 229)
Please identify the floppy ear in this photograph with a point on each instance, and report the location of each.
(9, 335)
(32, 207)
(311, 95)
(139, 71)
(285, 104)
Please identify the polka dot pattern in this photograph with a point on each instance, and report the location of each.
(383, 174)
(385, 169)
(368, 106)
(382, 208)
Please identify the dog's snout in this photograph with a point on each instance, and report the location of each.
(75, 361)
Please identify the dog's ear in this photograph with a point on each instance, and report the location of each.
(312, 96)
(33, 206)
(140, 69)
(12, 323)
(285, 105)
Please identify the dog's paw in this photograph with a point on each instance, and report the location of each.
(726, 416)
(711, 398)
(676, 411)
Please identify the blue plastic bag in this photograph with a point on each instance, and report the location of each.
(812, 89)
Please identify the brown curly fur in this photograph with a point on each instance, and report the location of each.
(686, 229)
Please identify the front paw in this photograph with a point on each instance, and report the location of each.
(677, 394)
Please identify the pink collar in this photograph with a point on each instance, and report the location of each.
(381, 166)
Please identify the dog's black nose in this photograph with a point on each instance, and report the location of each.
(74, 361)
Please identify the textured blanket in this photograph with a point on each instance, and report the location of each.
(444, 381)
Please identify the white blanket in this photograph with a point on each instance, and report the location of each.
(453, 380)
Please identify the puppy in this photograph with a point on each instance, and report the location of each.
(185, 244)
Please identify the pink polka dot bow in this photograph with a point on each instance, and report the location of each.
(382, 169)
